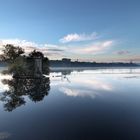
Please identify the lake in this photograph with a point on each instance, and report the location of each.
(96, 104)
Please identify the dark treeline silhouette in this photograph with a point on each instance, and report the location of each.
(68, 63)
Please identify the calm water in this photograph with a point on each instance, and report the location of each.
(100, 104)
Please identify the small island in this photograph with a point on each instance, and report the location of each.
(33, 65)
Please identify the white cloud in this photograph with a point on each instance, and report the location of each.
(94, 48)
(28, 46)
(18, 42)
(78, 37)
(59, 51)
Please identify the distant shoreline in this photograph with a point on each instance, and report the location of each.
(92, 68)
(106, 66)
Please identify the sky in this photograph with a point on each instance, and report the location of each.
(87, 30)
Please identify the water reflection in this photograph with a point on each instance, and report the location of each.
(81, 84)
(92, 83)
(70, 111)
(35, 89)
(87, 83)
(86, 87)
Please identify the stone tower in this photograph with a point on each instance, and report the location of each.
(38, 66)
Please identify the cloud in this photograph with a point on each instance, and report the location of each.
(94, 48)
(18, 42)
(59, 51)
(123, 52)
(56, 50)
(78, 37)
(28, 46)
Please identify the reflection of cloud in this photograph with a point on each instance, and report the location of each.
(2, 86)
(5, 77)
(4, 135)
(132, 77)
(78, 37)
(85, 86)
(93, 83)
(78, 92)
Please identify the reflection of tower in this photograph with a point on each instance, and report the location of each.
(130, 71)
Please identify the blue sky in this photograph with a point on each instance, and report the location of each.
(88, 30)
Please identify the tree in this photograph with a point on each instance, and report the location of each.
(16, 62)
(19, 65)
(10, 53)
(36, 54)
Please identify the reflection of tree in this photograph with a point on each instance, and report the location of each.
(35, 89)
